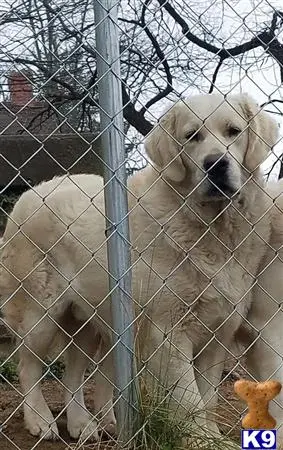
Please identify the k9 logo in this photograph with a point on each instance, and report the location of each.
(258, 439)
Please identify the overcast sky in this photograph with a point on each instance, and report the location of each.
(236, 21)
(231, 22)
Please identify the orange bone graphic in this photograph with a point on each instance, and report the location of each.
(257, 396)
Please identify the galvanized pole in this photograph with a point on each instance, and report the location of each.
(119, 263)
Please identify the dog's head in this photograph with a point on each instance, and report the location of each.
(208, 142)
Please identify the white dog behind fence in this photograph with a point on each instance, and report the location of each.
(198, 234)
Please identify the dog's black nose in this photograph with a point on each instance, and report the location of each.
(216, 164)
(216, 167)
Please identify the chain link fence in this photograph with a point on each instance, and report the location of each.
(130, 307)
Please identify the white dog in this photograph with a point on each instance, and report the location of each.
(198, 227)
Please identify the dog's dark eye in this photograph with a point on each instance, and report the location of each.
(193, 136)
(233, 131)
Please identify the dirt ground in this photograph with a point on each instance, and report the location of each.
(14, 436)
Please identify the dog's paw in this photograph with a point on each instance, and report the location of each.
(44, 428)
(83, 427)
(109, 428)
(108, 423)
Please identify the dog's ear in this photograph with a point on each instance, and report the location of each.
(263, 132)
(163, 148)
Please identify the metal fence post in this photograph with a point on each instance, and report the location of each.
(119, 263)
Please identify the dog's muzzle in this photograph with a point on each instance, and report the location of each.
(217, 168)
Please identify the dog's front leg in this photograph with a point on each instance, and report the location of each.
(209, 368)
(168, 366)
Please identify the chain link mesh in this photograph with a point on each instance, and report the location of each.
(206, 229)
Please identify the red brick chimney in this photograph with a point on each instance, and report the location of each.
(20, 88)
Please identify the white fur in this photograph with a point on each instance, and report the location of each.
(54, 270)
(264, 359)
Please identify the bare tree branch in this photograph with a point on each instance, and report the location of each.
(163, 93)
(214, 76)
(265, 39)
(134, 117)
(271, 101)
(61, 55)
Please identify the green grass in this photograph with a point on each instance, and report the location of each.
(158, 428)
(9, 371)
(54, 370)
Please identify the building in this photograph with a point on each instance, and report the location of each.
(36, 142)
